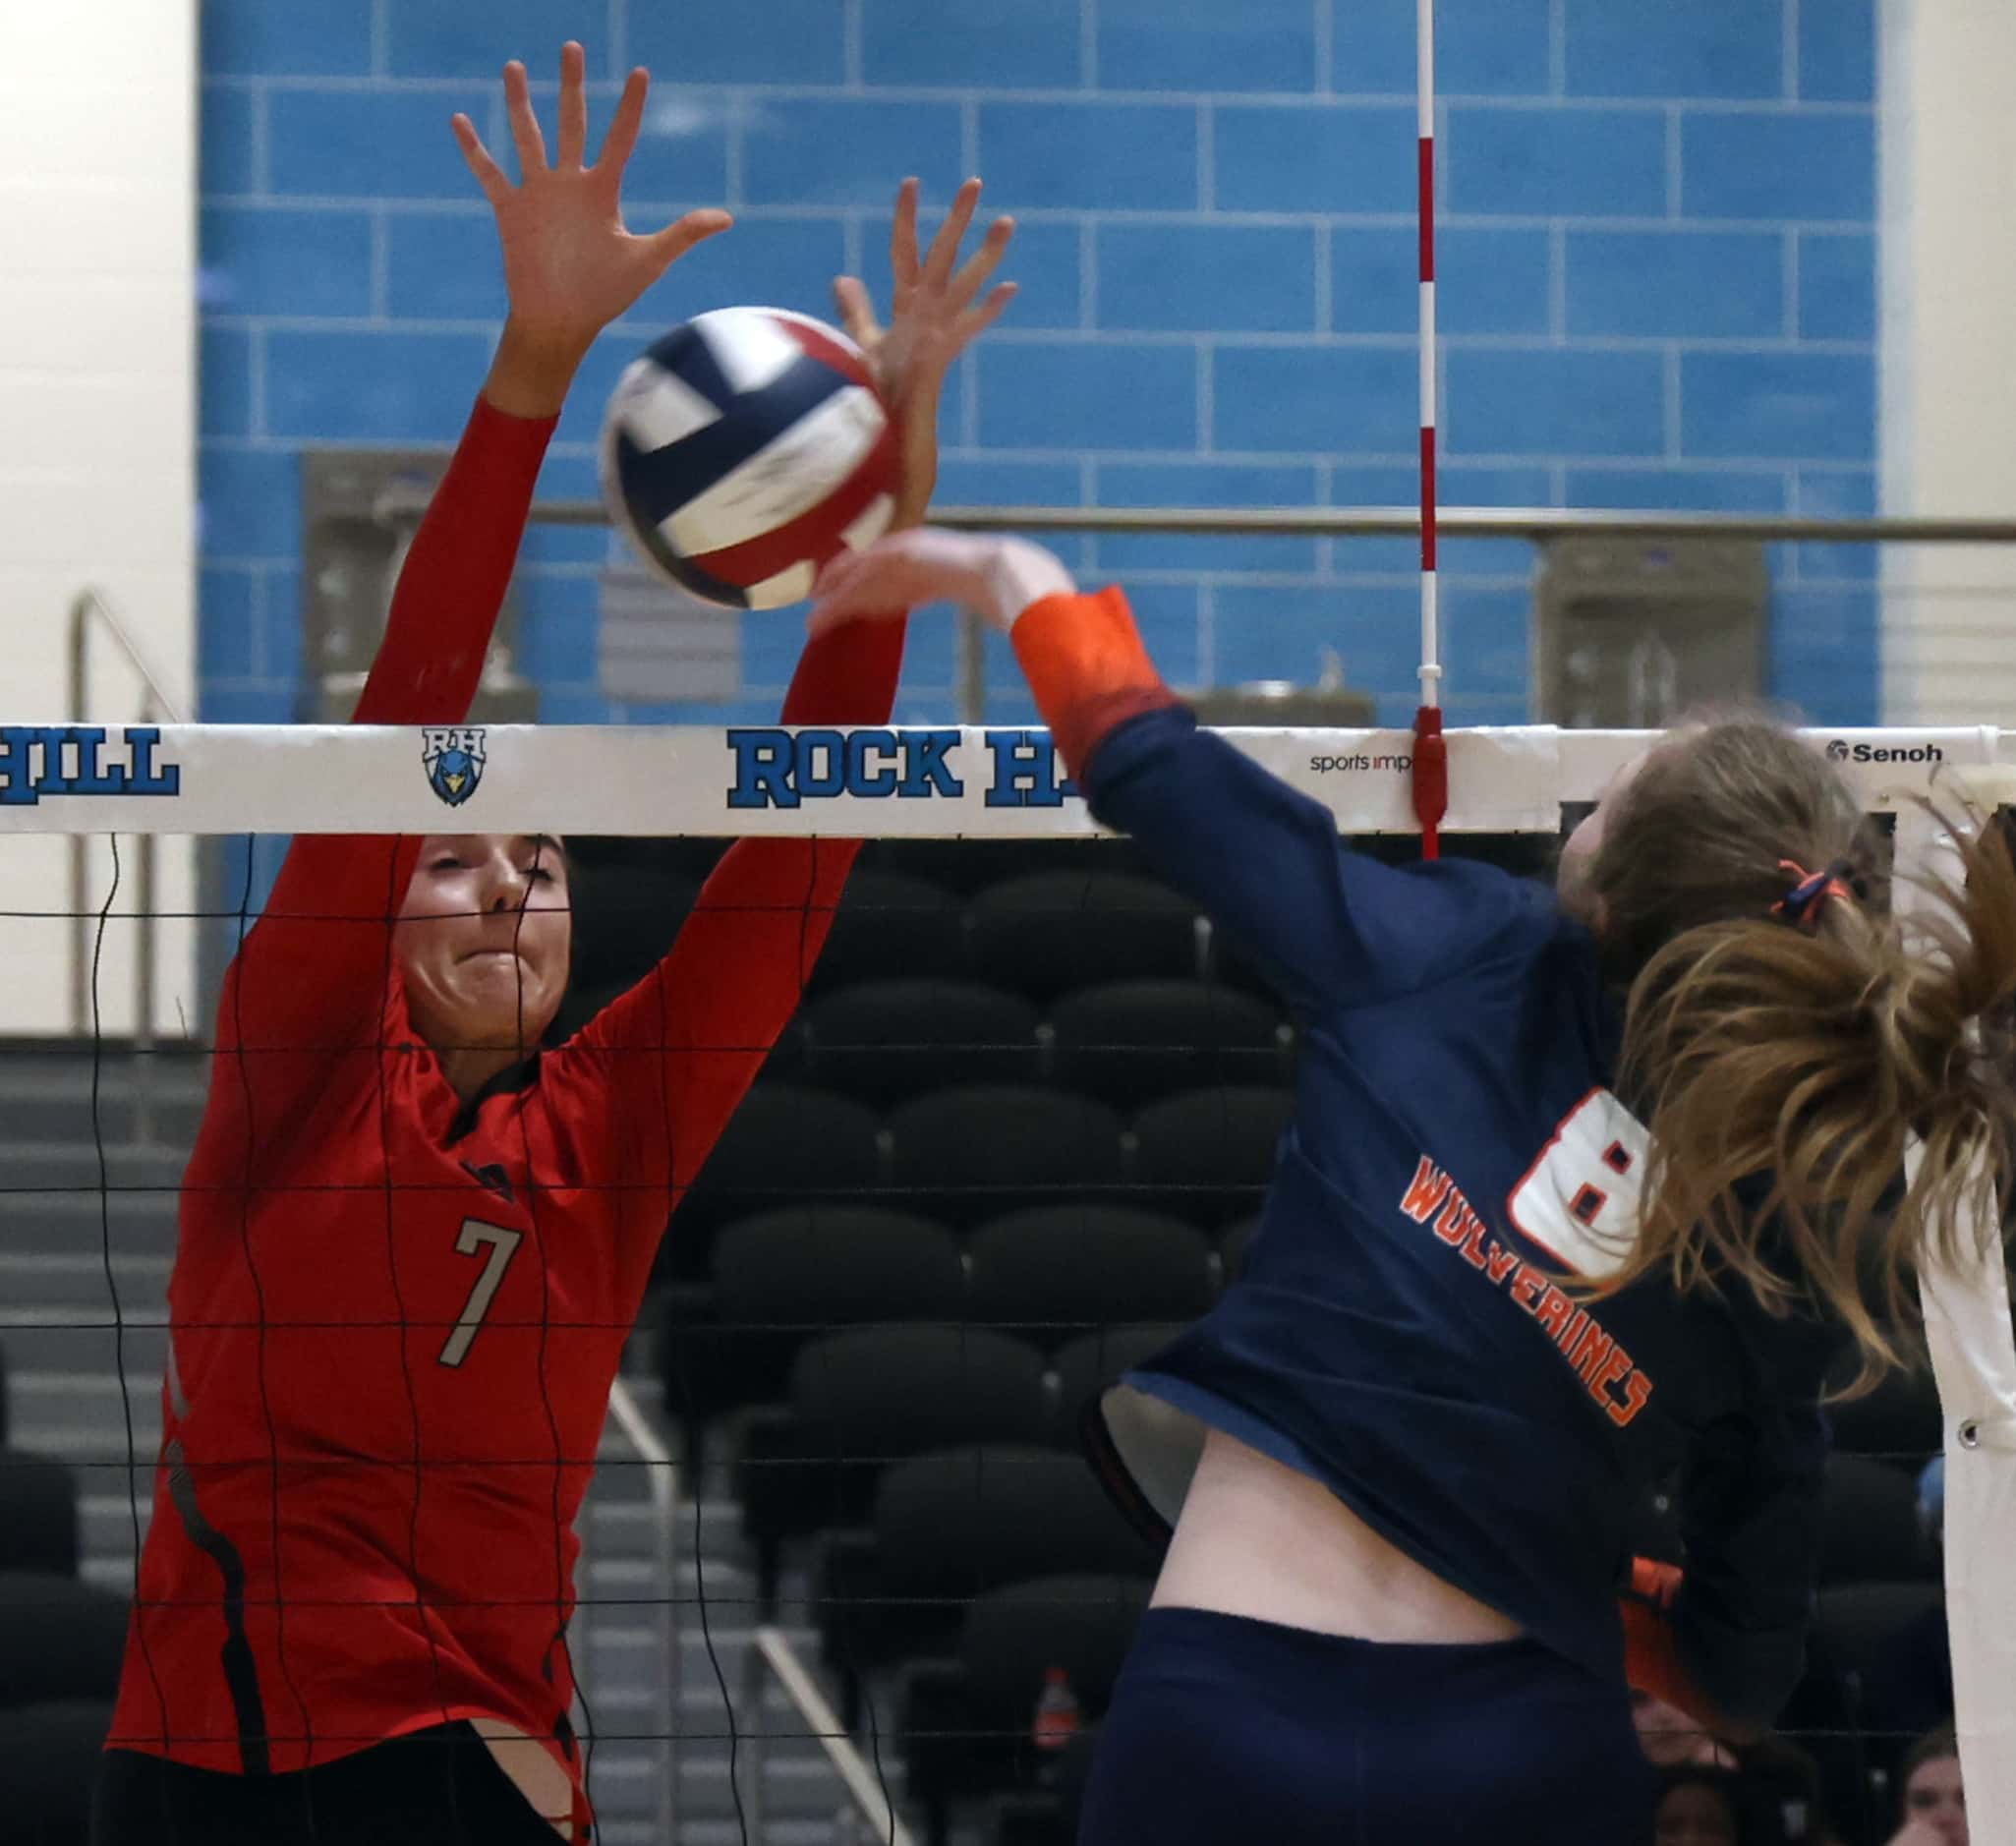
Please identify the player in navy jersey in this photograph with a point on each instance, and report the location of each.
(410, 1243)
(1580, 1188)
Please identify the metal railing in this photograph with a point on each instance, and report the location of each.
(90, 605)
(661, 1474)
(772, 1656)
(399, 507)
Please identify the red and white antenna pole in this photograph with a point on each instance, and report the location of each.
(1431, 751)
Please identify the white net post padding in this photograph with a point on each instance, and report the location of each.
(1973, 1344)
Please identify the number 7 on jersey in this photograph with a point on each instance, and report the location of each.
(503, 1247)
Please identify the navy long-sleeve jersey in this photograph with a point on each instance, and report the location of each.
(1400, 1332)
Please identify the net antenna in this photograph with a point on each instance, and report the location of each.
(1431, 751)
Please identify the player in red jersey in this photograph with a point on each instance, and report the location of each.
(411, 1244)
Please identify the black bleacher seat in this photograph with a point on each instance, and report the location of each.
(983, 1149)
(785, 1146)
(968, 1726)
(1080, 1622)
(1086, 1365)
(841, 1264)
(866, 1396)
(686, 855)
(628, 914)
(1870, 1525)
(893, 1390)
(889, 926)
(952, 1525)
(966, 866)
(1134, 1042)
(59, 1638)
(1878, 1674)
(48, 1760)
(1060, 1270)
(887, 1041)
(5, 1408)
(958, 1523)
(1899, 1420)
(37, 1513)
(1207, 1155)
(781, 1278)
(1048, 1815)
(1232, 1247)
(1049, 932)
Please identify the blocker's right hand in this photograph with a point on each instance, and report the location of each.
(935, 314)
(571, 266)
(997, 578)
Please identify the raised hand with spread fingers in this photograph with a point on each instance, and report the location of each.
(938, 307)
(571, 266)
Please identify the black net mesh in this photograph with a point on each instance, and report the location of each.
(1015, 1139)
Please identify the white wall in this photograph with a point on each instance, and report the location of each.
(1948, 173)
(98, 399)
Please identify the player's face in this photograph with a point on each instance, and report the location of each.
(483, 938)
(1932, 1799)
(1694, 1816)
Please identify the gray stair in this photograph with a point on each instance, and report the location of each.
(73, 1167)
(63, 1343)
(74, 1284)
(50, 1097)
(69, 1220)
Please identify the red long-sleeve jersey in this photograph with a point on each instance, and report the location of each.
(395, 1316)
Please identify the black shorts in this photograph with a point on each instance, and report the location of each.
(1230, 1732)
(436, 1787)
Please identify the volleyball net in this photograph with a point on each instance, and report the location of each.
(841, 1555)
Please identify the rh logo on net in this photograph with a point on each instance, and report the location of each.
(453, 758)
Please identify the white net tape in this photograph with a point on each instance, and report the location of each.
(917, 782)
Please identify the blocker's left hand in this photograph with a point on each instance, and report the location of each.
(936, 312)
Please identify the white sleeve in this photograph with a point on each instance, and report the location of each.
(1974, 1360)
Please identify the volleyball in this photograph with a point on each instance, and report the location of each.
(743, 450)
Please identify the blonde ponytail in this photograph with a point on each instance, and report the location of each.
(1782, 1061)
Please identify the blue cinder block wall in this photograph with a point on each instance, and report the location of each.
(1657, 290)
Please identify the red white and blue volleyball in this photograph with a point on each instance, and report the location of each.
(745, 449)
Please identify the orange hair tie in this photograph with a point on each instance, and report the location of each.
(1801, 905)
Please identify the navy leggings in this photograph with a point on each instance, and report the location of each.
(1225, 1730)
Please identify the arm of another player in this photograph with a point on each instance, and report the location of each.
(310, 976)
(708, 1013)
(1725, 1639)
(1263, 861)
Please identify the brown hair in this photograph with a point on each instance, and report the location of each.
(1935, 1745)
(1781, 1068)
